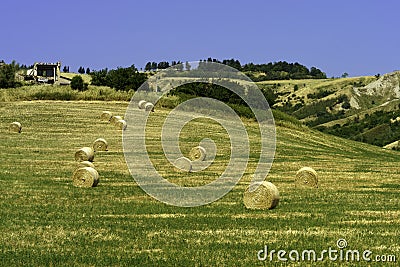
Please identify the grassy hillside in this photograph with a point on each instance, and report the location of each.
(58, 92)
(45, 221)
(310, 90)
(345, 106)
(69, 75)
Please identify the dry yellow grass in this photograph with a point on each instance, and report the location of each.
(86, 77)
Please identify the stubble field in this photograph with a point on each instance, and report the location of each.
(46, 221)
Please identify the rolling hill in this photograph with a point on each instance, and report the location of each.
(361, 108)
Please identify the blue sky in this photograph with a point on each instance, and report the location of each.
(357, 37)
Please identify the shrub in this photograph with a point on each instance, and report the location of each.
(346, 105)
(78, 84)
(7, 75)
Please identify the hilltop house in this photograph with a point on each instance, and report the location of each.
(45, 72)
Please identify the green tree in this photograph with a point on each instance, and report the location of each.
(187, 66)
(179, 66)
(232, 63)
(81, 70)
(7, 75)
(148, 66)
(317, 73)
(87, 71)
(163, 65)
(125, 78)
(99, 78)
(77, 83)
(345, 75)
(270, 96)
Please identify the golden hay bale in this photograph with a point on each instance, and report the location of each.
(85, 164)
(141, 104)
(261, 195)
(15, 127)
(307, 176)
(121, 124)
(149, 106)
(183, 164)
(106, 116)
(84, 154)
(100, 144)
(85, 177)
(197, 153)
(394, 146)
(114, 119)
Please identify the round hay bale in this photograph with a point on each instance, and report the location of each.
(261, 195)
(100, 144)
(394, 146)
(15, 127)
(307, 176)
(183, 164)
(121, 124)
(85, 164)
(149, 106)
(84, 154)
(114, 119)
(141, 104)
(197, 153)
(85, 177)
(106, 116)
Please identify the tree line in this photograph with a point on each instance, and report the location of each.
(281, 70)
(121, 78)
(129, 78)
(221, 93)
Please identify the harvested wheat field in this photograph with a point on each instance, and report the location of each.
(47, 221)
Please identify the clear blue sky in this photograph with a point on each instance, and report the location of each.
(358, 37)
